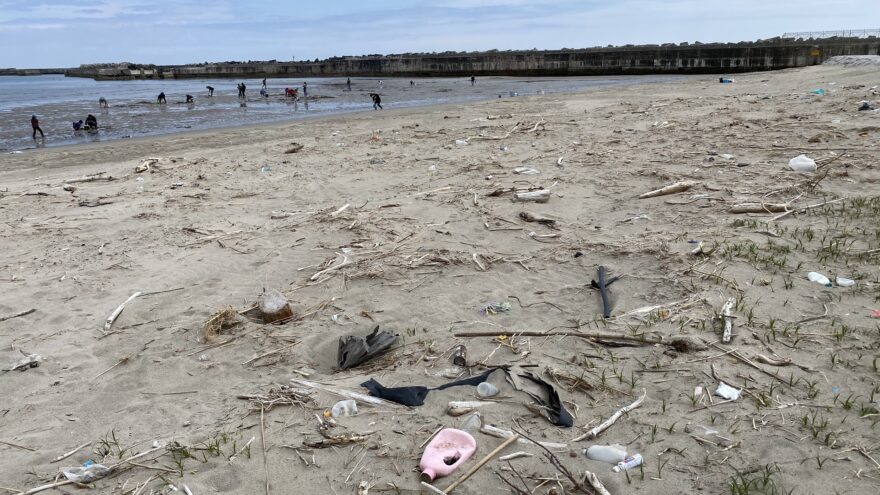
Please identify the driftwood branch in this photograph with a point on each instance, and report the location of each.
(670, 189)
(116, 312)
(728, 319)
(613, 419)
(16, 315)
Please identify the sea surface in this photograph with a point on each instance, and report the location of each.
(58, 101)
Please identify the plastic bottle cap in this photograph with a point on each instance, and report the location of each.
(428, 475)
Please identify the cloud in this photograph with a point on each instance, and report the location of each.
(167, 31)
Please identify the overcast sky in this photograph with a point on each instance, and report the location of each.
(65, 33)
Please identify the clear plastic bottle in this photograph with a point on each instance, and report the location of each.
(472, 423)
(344, 408)
(819, 278)
(612, 454)
(486, 390)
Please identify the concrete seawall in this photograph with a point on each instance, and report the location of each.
(652, 59)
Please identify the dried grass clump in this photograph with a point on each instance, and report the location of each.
(221, 320)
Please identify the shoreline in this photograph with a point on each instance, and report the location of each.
(385, 219)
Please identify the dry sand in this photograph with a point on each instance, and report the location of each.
(213, 231)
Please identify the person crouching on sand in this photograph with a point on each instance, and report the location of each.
(189, 99)
(210, 90)
(161, 98)
(377, 101)
(91, 123)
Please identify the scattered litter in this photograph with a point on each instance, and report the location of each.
(726, 391)
(845, 282)
(29, 361)
(612, 454)
(274, 306)
(537, 196)
(726, 156)
(486, 390)
(670, 189)
(526, 171)
(344, 408)
(146, 165)
(445, 453)
(875, 313)
(819, 279)
(493, 308)
(818, 91)
(628, 463)
(377, 161)
(802, 163)
(865, 106)
(87, 473)
(460, 408)
(461, 142)
(459, 356)
(354, 350)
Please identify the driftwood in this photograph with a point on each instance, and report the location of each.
(613, 419)
(116, 312)
(74, 451)
(728, 319)
(530, 217)
(680, 343)
(480, 464)
(368, 399)
(597, 485)
(16, 315)
(758, 208)
(91, 178)
(500, 433)
(603, 292)
(334, 440)
(539, 196)
(670, 189)
(345, 262)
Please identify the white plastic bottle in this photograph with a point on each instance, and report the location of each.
(819, 278)
(612, 454)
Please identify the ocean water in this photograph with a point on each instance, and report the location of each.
(58, 101)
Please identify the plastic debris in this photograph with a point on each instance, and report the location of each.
(845, 282)
(819, 279)
(726, 391)
(486, 389)
(494, 308)
(802, 163)
(612, 454)
(344, 408)
(526, 171)
(628, 463)
(86, 473)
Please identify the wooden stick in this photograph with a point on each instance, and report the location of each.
(345, 262)
(74, 451)
(263, 442)
(115, 314)
(480, 464)
(670, 189)
(261, 356)
(758, 208)
(16, 315)
(805, 208)
(597, 485)
(603, 292)
(591, 336)
(728, 321)
(47, 487)
(368, 399)
(610, 421)
(22, 447)
(539, 196)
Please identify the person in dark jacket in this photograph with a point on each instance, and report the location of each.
(91, 122)
(210, 90)
(161, 98)
(35, 123)
(377, 101)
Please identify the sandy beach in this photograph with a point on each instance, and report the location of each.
(407, 219)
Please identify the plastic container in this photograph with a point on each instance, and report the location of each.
(486, 389)
(802, 163)
(447, 451)
(819, 278)
(628, 463)
(612, 454)
(845, 282)
(472, 422)
(344, 408)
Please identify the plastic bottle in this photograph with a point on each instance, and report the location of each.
(628, 463)
(802, 163)
(446, 452)
(344, 408)
(845, 282)
(612, 454)
(486, 389)
(819, 279)
(140, 184)
(472, 422)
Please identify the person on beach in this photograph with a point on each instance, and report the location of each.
(348, 83)
(161, 99)
(241, 90)
(190, 99)
(377, 101)
(264, 93)
(210, 90)
(35, 123)
(412, 83)
(77, 126)
(473, 80)
(305, 90)
(102, 102)
(264, 83)
(91, 123)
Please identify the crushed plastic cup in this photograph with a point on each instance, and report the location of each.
(486, 390)
(344, 408)
(461, 142)
(803, 164)
(845, 282)
(86, 473)
(726, 391)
